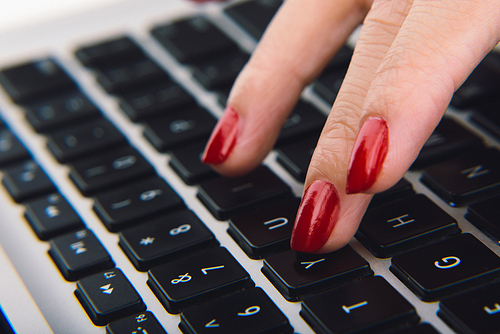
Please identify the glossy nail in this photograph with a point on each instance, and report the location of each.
(223, 138)
(368, 155)
(317, 215)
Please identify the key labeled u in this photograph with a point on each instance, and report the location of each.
(449, 262)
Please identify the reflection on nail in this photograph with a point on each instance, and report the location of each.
(317, 215)
(368, 155)
(223, 138)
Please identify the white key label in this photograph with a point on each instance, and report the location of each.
(449, 262)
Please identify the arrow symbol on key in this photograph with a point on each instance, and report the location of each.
(211, 324)
(107, 289)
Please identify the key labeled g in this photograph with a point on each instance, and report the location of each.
(449, 262)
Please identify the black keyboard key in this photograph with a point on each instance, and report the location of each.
(107, 52)
(179, 127)
(199, 278)
(482, 85)
(254, 16)
(328, 84)
(450, 266)
(448, 139)
(159, 98)
(297, 274)
(226, 197)
(465, 179)
(398, 191)
(58, 110)
(304, 119)
(193, 39)
(265, 231)
(26, 180)
(477, 311)
(51, 215)
(108, 296)
(79, 254)
(140, 200)
(295, 156)
(34, 79)
(486, 115)
(11, 149)
(403, 225)
(79, 140)
(127, 76)
(484, 215)
(422, 328)
(165, 238)
(104, 170)
(186, 162)
(219, 71)
(341, 59)
(246, 312)
(142, 323)
(368, 306)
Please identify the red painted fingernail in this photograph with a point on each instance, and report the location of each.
(368, 155)
(317, 215)
(223, 138)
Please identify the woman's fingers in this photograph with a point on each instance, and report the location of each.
(390, 103)
(300, 41)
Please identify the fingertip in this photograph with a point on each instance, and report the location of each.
(223, 138)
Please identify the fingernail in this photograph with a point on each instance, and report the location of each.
(368, 155)
(317, 215)
(223, 138)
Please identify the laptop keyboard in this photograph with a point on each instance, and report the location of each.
(426, 247)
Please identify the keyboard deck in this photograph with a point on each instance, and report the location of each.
(114, 224)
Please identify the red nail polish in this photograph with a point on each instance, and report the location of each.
(223, 138)
(368, 155)
(317, 215)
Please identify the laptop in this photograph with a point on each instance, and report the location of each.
(110, 224)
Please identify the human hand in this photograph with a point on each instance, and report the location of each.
(409, 59)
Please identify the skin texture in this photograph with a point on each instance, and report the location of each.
(409, 59)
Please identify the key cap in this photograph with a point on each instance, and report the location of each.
(328, 84)
(398, 191)
(484, 215)
(450, 266)
(482, 84)
(79, 140)
(477, 311)
(486, 115)
(58, 110)
(403, 225)
(297, 274)
(26, 180)
(341, 59)
(107, 52)
(254, 16)
(113, 167)
(197, 279)
(369, 306)
(246, 312)
(179, 127)
(192, 39)
(165, 238)
(186, 162)
(79, 254)
(265, 231)
(227, 197)
(465, 179)
(142, 323)
(34, 79)
(126, 76)
(151, 100)
(422, 328)
(448, 140)
(11, 149)
(295, 156)
(219, 71)
(108, 296)
(51, 215)
(304, 119)
(125, 205)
